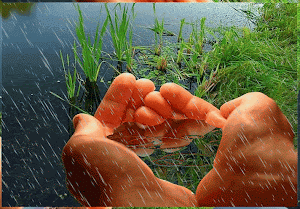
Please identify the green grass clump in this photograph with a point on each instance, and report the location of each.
(119, 29)
(89, 60)
(70, 81)
(298, 46)
(263, 60)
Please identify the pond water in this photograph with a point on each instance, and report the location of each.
(35, 123)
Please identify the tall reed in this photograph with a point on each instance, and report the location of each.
(70, 81)
(119, 28)
(90, 61)
(182, 22)
(158, 32)
(198, 35)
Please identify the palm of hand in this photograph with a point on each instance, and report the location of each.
(171, 135)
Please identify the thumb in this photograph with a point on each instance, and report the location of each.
(85, 124)
(215, 119)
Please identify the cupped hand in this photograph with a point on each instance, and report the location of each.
(103, 172)
(150, 118)
(256, 164)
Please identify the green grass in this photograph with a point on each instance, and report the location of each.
(197, 35)
(70, 81)
(158, 32)
(298, 46)
(264, 60)
(240, 61)
(119, 29)
(89, 60)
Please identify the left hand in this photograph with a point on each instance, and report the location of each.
(97, 167)
(149, 120)
(103, 172)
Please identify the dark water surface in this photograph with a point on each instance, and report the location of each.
(35, 123)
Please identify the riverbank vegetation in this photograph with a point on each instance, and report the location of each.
(239, 61)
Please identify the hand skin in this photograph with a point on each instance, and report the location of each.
(165, 121)
(256, 164)
(102, 172)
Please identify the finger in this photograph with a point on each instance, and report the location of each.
(85, 124)
(142, 88)
(156, 108)
(191, 106)
(149, 117)
(156, 102)
(113, 106)
(215, 118)
(227, 108)
(143, 152)
(196, 128)
(175, 95)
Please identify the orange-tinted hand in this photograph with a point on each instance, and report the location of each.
(172, 116)
(256, 164)
(103, 172)
(180, 115)
(172, 98)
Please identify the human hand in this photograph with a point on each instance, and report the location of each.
(256, 164)
(150, 120)
(103, 172)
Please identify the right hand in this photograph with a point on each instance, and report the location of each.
(256, 164)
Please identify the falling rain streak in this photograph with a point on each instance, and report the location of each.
(34, 121)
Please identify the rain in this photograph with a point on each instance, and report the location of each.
(36, 125)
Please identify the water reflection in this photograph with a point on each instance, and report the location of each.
(20, 8)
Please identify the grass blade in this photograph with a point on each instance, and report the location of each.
(69, 103)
